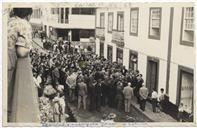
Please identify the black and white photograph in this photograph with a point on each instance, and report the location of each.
(107, 63)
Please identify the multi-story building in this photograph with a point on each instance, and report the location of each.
(70, 23)
(158, 40)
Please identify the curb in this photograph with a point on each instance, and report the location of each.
(140, 111)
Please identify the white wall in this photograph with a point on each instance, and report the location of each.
(180, 54)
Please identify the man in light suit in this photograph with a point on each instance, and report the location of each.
(128, 94)
(82, 94)
(143, 92)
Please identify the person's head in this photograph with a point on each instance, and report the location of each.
(23, 13)
(129, 84)
(139, 76)
(162, 90)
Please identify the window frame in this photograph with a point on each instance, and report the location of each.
(182, 41)
(182, 69)
(108, 47)
(120, 13)
(132, 52)
(102, 50)
(110, 13)
(117, 53)
(134, 9)
(150, 18)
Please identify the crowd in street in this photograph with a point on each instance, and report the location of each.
(64, 75)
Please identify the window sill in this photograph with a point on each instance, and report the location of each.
(100, 27)
(133, 34)
(187, 43)
(118, 30)
(110, 32)
(154, 37)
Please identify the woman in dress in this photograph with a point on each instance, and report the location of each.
(22, 93)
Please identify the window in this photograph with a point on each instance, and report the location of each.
(83, 11)
(54, 10)
(134, 21)
(119, 57)
(37, 13)
(101, 49)
(155, 23)
(66, 14)
(120, 21)
(86, 33)
(62, 15)
(110, 22)
(133, 59)
(187, 27)
(102, 20)
(186, 88)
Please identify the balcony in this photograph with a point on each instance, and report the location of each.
(100, 33)
(73, 21)
(81, 21)
(118, 38)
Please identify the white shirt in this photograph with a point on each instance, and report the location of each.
(154, 95)
(161, 96)
(39, 79)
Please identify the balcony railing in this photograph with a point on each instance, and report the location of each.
(100, 33)
(118, 37)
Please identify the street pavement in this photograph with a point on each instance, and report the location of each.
(135, 114)
(95, 116)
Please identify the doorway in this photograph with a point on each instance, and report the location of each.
(119, 55)
(109, 53)
(152, 74)
(75, 35)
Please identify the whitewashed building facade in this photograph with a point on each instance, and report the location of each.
(155, 38)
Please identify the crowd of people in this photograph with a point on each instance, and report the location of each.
(90, 80)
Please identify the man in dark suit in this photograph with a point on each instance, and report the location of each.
(82, 94)
(92, 95)
(56, 74)
(139, 83)
(143, 93)
(98, 93)
(104, 89)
